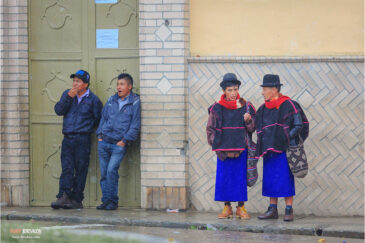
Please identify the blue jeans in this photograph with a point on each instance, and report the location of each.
(110, 157)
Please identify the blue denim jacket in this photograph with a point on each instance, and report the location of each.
(80, 117)
(123, 124)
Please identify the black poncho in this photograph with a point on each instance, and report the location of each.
(274, 126)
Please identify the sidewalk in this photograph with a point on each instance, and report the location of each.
(350, 227)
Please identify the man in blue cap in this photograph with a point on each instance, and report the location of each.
(81, 111)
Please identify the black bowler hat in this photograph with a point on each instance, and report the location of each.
(229, 79)
(271, 80)
(83, 75)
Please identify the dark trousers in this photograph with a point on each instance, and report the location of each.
(75, 158)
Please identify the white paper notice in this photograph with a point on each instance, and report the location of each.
(106, 1)
(107, 38)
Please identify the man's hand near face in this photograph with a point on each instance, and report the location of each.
(72, 93)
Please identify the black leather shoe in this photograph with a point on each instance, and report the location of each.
(102, 206)
(289, 215)
(111, 206)
(271, 213)
(76, 204)
(62, 202)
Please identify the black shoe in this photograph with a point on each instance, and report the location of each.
(111, 206)
(62, 202)
(102, 206)
(271, 213)
(76, 204)
(289, 215)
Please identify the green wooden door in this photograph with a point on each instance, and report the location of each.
(62, 39)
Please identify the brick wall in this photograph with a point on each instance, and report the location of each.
(164, 43)
(331, 92)
(14, 151)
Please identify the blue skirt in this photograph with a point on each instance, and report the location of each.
(277, 181)
(231, 182)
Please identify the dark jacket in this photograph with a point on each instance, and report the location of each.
(79, 118)
(120, 125)
(277, 129)
(227, 130)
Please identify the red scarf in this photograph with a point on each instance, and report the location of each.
(231, 105)
(275, 103)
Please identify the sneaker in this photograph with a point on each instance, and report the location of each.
(111, 206)
(102, 206)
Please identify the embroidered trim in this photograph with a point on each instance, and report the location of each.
(267, 150)
(251, 106)
(274, 124)
(233, 149)
(233, 128)
(279, 124)
(295, 109)
(212, 107)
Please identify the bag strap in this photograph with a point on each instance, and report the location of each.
(301, 141)
(248, 136)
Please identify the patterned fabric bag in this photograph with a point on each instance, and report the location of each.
(252, 173)
(297, 159)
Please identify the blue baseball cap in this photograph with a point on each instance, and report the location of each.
(83, 75)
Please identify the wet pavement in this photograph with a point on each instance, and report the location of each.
(157, 234)
(148, 234)
(186, 235)
(197, 224)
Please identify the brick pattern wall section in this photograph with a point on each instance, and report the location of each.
(164, 45)
(14, 133)
(330, 90)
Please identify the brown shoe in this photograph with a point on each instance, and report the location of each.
(226, 213)
(289, 215)
(241, 213)
(62, 202)
(271, 213)
(76, 204)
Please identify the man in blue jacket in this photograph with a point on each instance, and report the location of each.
(120, 124)
(81, 111)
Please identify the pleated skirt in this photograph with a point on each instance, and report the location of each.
(277, 181)
(231, 182)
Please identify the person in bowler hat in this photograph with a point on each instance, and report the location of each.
(230, 121)
(278, 124)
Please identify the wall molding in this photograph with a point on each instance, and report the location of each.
(274, 59)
